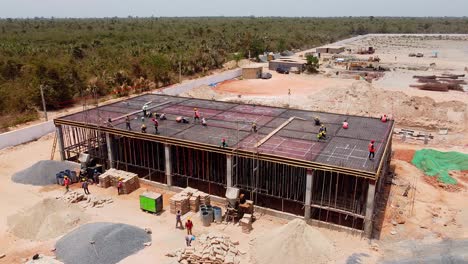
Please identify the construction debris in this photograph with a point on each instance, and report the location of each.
(85, 200)
(442, 83)
(210, 248)
(130, 181)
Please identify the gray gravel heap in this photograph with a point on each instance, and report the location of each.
(103, 243)
(43, 172)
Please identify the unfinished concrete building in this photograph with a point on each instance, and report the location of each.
(282, 166)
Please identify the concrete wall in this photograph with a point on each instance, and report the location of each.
(26, 134)
(188, 85)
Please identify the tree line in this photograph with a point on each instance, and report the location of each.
(74, 57)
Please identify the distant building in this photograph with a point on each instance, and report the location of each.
(287, 63)
(330, 49)
(252, 71)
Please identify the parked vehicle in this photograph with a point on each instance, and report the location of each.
(266, 75)
(282, 70)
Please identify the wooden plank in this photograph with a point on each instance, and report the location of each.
(272, 133)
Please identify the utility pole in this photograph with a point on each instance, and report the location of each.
(180, 71)
(43, 102)
(289, 98)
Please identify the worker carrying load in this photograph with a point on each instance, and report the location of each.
(345, 124)
(254, 127)
(317, 121)
(384, 118)
(181, 119)
(203, 122)
(371, 150)
(196, 115)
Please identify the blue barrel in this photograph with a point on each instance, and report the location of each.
(218, 214)
(206, 219)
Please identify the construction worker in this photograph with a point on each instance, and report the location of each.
(317, 121)
(345, 124)
(323, 129)
(203, 122)
(189, 226)
(254, 127)
(144, 109)
(179, 220)
(109, 122)
(223, 143)
(143, 119)
(96, 176)
(66, 183)
(189, 239)
(127, 123)
(143, 128)
(321, 135)
(196, 115)
(119, 186)
(383, 118)
(162, 116)
(156, 124)
(84, 185)
(181, 119)
(371, 148)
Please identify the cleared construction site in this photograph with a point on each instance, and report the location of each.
(282, 166)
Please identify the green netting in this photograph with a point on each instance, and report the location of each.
(437, 163)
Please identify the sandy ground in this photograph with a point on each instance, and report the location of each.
(125, 209)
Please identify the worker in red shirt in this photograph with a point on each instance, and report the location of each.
(119, 186)
(189, 226)
(345, 124)
(371, 150)
(196, 115)
(156, 125)
(384, 118)
(66, 183)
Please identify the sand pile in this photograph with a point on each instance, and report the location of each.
(295, 242)
(43, 172)
(47, 219)
(103, 243)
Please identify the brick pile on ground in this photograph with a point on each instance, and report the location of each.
(43, 172)
(209, 248)
(111, 177)
(188, 199)
(85, 200)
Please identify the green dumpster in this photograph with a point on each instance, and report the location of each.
(151, 202)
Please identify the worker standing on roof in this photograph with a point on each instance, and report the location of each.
(66, 183)
(109, 122)
(127, 123)
(371, 148)
(203, 122)
(162, 116)
(383, 118)
(156, 124)
(143, 128)
(144, 109)
(223, 143)
(323, 129)
(254, 127)
(196, 115)
(321, 135)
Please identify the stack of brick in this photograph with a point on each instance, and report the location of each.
(188, 199)
(130, 181)
(179, 202)
(209, 248)
(204, 198)
(246, 223)
(194, 203)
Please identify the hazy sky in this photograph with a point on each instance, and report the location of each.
(142, 8)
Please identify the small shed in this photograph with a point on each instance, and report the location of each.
(331, 49)
(252, 71)
(287, 63)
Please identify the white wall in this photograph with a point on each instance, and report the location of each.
(26, 134)
(186, 86)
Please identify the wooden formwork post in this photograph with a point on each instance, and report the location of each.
(59, 131)
(168, 168)
(369, 209)
(308, 194)
(228, 170)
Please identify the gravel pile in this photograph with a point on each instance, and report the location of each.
(103, 243)
(43, 172)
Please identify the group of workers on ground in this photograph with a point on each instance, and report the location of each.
(188, 226)
(85, 182)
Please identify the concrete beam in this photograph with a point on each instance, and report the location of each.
(369, 209)
(110, 154)
(229, 170)
(167, 153)
(60, 144)
(308, 197)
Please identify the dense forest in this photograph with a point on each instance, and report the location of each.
(72, 58)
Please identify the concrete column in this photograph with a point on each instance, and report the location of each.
(308, 197)
(60, 141)
(167, 153)
(110, 154)
(369, 209)
(228, 170)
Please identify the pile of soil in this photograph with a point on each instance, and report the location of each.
(295, 242)
(43, 172)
